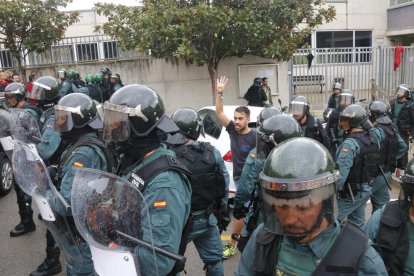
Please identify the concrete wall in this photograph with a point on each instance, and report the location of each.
(182, 85)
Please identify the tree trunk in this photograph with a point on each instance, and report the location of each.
(212, 71)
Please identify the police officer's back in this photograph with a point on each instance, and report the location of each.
(301, 234)
(210, 186)
(135, 119)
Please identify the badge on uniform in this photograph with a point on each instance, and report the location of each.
(344, 150)
(78, 164)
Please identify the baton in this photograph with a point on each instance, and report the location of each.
(350, 192)
(178, 258)
(386, 180)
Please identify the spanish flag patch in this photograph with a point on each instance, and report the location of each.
(160, 204)
(344, 150)
(78, 164)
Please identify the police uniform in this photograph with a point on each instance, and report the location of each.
(83, 157)
(353, 177)
(65, 88)
(204, 233)
(302, 259)
(168, 197)
(50, 137)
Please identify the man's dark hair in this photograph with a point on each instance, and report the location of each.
(15, 74)
(265, 78)
(32, 76)
(243, 109)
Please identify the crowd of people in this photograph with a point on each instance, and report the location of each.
(302, 183)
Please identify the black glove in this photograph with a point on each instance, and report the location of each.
(239, 212)
(223, 221)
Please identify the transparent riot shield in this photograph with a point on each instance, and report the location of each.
(112, 216)
(5, 138)
(33, 178)
(24, 127)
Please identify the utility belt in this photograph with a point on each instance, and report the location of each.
(355, 188)
(204, 215)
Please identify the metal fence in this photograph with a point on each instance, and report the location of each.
(366, 70)
(73, 50)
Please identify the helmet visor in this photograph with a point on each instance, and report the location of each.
(116, 124)
(63, 119)
(264, 144)
(39, 91)
(345, 100)
(297, 108)
(401, 91)
(298, 213)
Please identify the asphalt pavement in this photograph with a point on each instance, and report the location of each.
(21, 255)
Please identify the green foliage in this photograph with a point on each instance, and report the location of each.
(206, 32)
(28, 26)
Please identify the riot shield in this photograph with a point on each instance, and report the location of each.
(112, 216)
(24, 127)
(33, 178)
(5, 138)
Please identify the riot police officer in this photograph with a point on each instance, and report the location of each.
(15, 98)
(135, 119)
(106, 82)
(335, 134)
(392, 148)
(357, 159)
(102, 86)
(65, 83)
(334, 98)
(247, 202)
(76, 120)
(46, 92)
(210, 187)
(299, 107)
(391, 228)
(301, 234)
(116, 83)
(402, 114)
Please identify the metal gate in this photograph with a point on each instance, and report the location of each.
(368, 71)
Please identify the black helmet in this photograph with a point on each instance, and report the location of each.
(15, 90)
(138, 108)
(257, 81)
(326, 113)
(76, 110)
(299, 106)
(346, 98)
(402, 91)
(356, 115)
(45, 88)
(336, 85)
(273, 131)
(298, 175)
(378, 112)
(106, 71)
(267, 113)
(407, 185)
(189, 122)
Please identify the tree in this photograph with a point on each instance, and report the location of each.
(205, 32)
(28, 26)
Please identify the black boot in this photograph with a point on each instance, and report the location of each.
(26, 224)
(50, 266)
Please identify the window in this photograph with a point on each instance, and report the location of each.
(87, 51)
(110, 49)
(398, 2)
(6, 58)
(62, 54)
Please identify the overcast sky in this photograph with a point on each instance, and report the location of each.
(88, 4)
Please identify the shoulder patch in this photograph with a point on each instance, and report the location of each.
(252, 155)
(78, 164)
(344, 150)
(160, 204)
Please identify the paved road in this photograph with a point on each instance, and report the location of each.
(19, 256)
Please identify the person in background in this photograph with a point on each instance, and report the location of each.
(268, 92)
(255, 95)
(29, 86)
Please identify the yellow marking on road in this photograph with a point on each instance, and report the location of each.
(225, 237)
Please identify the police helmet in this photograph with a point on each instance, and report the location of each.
(407, 185)
(89, 78)
(189, 122)
(299, 106)
(346, 98)
(378, 112)
(257, 81)
(135, 108)
(299, 179)
(402, 91)
(267, 113)
(15, 90)
(71, 74)
(106, 71)
(98, 78)
(76, 110)
(356, 116)
(273, 131)
(337, 85)
(45, 88)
